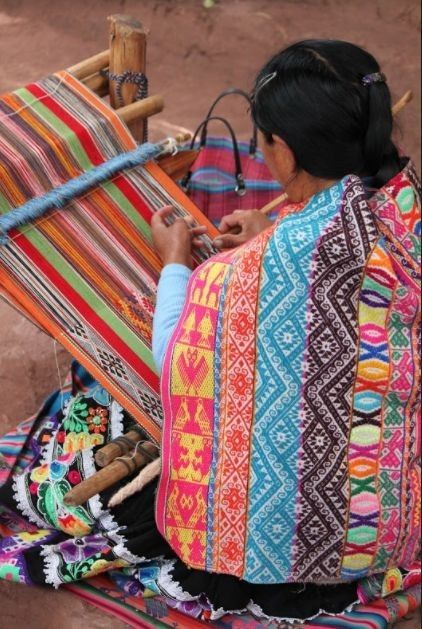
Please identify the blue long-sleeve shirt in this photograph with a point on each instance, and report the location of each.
(171, 295)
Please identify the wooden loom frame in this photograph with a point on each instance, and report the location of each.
(127, 52)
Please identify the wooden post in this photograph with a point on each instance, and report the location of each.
(127, 53)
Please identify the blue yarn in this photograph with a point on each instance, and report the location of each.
(62, 195)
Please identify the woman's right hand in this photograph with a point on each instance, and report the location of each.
(239, 227)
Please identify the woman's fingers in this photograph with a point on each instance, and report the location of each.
(229, 221)
(159, 216)
(200, 229)
(196, 242)
(228, 241)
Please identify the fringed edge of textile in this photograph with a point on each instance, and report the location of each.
(51, 565)
(257, 612)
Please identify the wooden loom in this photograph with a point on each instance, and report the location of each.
(127, 53)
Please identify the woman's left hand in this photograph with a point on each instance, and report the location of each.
(239, 227)
(173, 243)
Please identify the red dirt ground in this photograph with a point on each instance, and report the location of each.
(193, 53)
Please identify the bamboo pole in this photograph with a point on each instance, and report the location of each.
(127, 53)
(109, 475)
(404, 100)
(272, 204)
(89, 66)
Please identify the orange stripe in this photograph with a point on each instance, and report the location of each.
(15, 196)
(51, 328)
(57, 144)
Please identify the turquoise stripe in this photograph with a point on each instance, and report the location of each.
(281, 346)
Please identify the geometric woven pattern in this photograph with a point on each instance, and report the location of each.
(336, 280)
(312, 376)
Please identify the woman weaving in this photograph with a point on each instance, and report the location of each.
(289, 375)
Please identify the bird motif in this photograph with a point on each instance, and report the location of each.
(193, 369)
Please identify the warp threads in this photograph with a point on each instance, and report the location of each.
(62, 195)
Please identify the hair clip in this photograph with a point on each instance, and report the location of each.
(265, 80)
(375, 77)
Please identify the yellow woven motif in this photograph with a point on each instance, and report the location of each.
(208, 285)
(188, 541)
(188, 508)
(194, 374)
(189, 465)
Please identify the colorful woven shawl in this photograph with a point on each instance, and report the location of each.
(290, 393)
(86, 274)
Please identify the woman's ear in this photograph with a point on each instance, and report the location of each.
(283, 155)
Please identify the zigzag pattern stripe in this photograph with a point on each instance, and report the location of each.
(322, 512)
(281, 324)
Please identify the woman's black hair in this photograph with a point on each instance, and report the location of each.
(312, 96)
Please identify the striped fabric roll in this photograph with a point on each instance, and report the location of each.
(86, 274)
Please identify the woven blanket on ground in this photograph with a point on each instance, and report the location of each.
(86, 274)
(291, 444)
(116, 598)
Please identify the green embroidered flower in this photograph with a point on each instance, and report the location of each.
(71, 572)
(76, 417)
